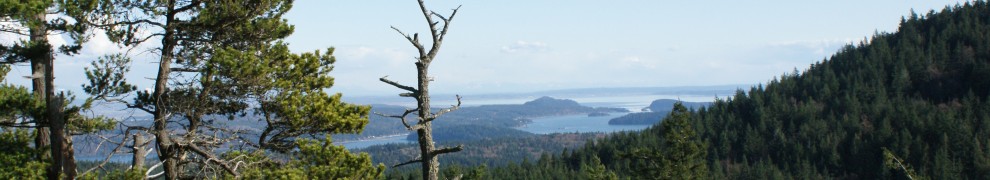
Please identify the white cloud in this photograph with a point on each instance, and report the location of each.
(525, 47)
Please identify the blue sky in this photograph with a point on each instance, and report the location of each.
(523, 46)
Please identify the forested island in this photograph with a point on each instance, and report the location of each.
(491, 118)
(657, 110)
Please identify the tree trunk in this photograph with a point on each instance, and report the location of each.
(167, 153)
(431, 167)
(138, 161)
(41, 78)
(424, 128)
(69, 154)
(54, 111)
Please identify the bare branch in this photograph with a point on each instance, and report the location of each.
(128, 104)
(152, 168)
(407, 162)
(448, 150)
(429, 19)
(439, 16)
(414, 40)
(211, 157)
(191, 5)
(135, 22)
(17, 125)
(400, 86)
(185, 69)
(401, 117)
(107, 159)
(447, 110)
(416, 127)
(446, 25)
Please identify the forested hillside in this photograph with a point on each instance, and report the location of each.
(920, 92)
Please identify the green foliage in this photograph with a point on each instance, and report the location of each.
(319, 160)
(17, 157)
(893, 162)
(103, 79)
(4, 69)
(16, 104)
(596, 170)
(476, 173)
(291, 89)
(122, 174)
(682, 154)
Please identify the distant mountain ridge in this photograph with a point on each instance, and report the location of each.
(715, 90)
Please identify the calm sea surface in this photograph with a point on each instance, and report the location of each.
(562, 124)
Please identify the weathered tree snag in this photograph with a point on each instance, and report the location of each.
(58, 136)
(423, 126)
(138, 161)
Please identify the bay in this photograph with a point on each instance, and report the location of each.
(580, 123)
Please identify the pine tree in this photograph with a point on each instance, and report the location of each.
(682, 154)
(596, 170)
(54, 127)
(241, 69)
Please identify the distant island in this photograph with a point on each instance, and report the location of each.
(597, 114)
(657, 110)
(492, 118)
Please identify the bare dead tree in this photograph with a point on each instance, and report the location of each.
(423, 127)
(138, 148)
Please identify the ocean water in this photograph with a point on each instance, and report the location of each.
(577, 123)
(545, 125)
(563, 124)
